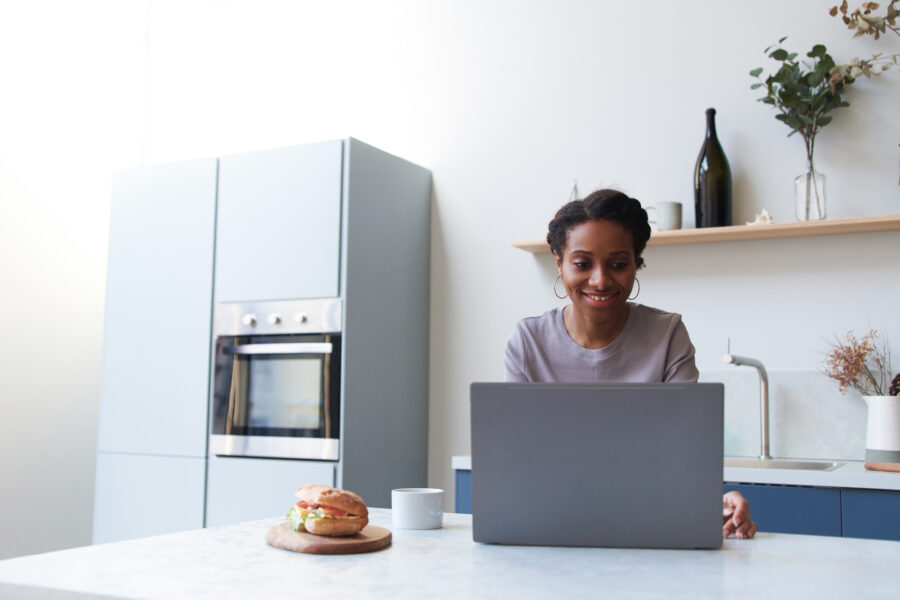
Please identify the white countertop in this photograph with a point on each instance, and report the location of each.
(852, 474)
(234, 562)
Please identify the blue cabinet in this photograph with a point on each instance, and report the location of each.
(463, 498)
(871, 514)
(846, 512)
(793, 509)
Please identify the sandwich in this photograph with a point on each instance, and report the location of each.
(324, 510)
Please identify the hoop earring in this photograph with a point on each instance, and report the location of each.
(555, 293)
(637, 281)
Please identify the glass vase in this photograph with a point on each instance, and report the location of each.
(809, 196)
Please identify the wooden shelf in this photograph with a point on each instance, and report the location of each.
(739, 233)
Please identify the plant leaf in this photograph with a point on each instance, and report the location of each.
(756, 72)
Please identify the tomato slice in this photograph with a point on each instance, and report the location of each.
(333, 509)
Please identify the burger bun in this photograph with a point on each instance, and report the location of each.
(345, 500)
(335, 527)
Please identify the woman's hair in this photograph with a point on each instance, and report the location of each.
(611, 205)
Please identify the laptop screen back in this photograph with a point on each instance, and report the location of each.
(618, 465)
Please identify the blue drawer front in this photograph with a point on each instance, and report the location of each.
(871, 514)
(793, 509)
(463, 498)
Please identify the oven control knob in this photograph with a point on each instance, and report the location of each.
(249, 320)
(301, 318)
(274, 319)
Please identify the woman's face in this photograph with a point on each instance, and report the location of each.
(598, 268)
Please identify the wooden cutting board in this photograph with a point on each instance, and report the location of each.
(895, 467)
(370, 539)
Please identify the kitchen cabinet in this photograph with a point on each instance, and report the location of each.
(154, 384)
(871, 514)
(140, 495)
(354, 225)
(793, 509)
(242, 489)
(463, 496)
(278, 227)
(848, 512)
(783, 508)
(340, 220)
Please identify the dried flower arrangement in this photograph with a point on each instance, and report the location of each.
(863, 21)
(863, 364)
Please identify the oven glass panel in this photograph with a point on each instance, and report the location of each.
(291, 391)
(285, 392)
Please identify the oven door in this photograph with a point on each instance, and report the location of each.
(277, 396)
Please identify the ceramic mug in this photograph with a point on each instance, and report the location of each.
(417, 508)
(668, 215)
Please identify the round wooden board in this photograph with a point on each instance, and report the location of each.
(370, 539)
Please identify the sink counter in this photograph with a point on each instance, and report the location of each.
(852, 474)
(233, 561)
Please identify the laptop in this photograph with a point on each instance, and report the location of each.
(602, 465)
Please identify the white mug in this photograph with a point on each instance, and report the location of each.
(668, 215)
(417, 508)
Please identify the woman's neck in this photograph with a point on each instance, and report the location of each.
(592, 333)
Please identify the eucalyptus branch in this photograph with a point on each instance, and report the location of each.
(803, 92)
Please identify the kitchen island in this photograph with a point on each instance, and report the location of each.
(233, 561)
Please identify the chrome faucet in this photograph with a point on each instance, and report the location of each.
(763, 397)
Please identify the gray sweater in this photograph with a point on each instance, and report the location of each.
(653, 347)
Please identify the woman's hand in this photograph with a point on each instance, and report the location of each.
(736, 517)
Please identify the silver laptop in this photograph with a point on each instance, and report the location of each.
(617, 465)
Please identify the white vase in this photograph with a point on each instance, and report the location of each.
(883, 429)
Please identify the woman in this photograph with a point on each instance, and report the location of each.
(601, 337)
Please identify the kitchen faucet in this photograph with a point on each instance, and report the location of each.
(763, 397)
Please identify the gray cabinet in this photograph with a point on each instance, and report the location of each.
(139, 495)
(290, 199)
(337, 219)
(154, 382)
(244, 489)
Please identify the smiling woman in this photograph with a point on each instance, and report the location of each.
(601, 336)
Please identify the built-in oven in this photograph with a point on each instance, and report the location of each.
(276, 381)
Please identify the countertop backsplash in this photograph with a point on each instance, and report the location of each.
(808, 416)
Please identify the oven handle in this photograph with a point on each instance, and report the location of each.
(315, 348)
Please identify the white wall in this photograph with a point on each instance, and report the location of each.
(505, 101)
(70, 111)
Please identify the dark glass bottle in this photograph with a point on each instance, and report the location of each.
(712, 180)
